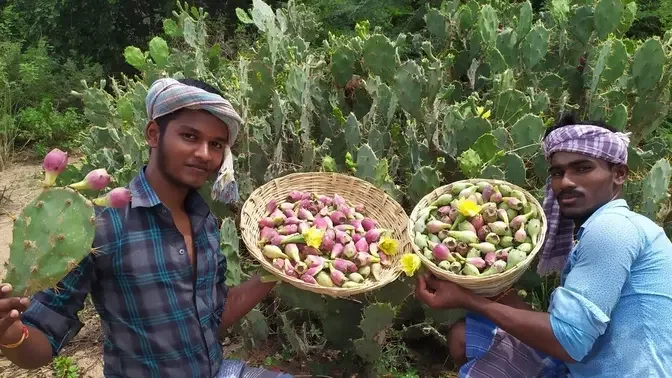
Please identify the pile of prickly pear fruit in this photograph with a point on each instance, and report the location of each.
(55, 231)
(478, 229)
(324, 240)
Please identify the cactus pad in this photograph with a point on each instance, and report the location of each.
(53, 233)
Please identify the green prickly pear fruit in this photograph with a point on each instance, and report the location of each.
(443, 200)
(505, 190)
(515, 257)
(496, 267)
(533, 229)
(473, 252)
(445, 265)
(356, 277)
(273, 252)
(51, 235)
(525, 247)
(54, 164)
(484, 247)
(506, 241)
(470, 270)
(458, 187)
(520, 196)
(466, 192)
(350, 284)
(376, 268)
(421, 240)
(464, 236)
(503, 215)
(499, 227)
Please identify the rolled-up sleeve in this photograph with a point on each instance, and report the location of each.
(580, 310)
(54, 312)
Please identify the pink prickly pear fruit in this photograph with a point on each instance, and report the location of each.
(303, 227)
(289, 213)
(441, 252)
(271, 206)
(520, 235)
(336, 250)
(310, 251)
(364, 258)
(294, 196)
(292, 220)
(360, 208)
(326, 200)
(288, 229)
(306, 196)
(267, 233)
(384, 260)
(362, 245)
(283, 206)
(54, 163)
(337, 217)
(314, 270)
(453, 213)
(328, 240)
(496, 197)
(279, 263)
(320, 223)
(446, 219)
(373, 249)
(289, 269)
(337, 277)
(277, 239)
(483, 232)
(435, 226)
(345, 266)
(477, 262)
(116, 198)
(342, 236)
(95, 180)
(338, 200)
(308, 279)
(313, 261)
(477, 222)
(487, 192)
(444, 210)
(373, 235)
(357, 224)
(368, 224)
(356, 237)
(305, 214)
(347, 211)
(490, 258)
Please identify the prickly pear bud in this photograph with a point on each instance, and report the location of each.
(355, 237)
(350, 284)
(314, 270)
(288, 229)
(373, 249)
(267, 233)
(289, 269)
(54, 163)
(502, 254)
(373, 235)
(473, 252)
(505, 190)
(116, 198)
(487, 191)
(455, 267)
(445, 265)
(292, 220)
(453, 213)
(363, 258)
(95, 180)
(357, 224)
(514, 203)
(465, 236)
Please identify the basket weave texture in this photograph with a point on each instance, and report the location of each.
(489, 285)
(378, 205)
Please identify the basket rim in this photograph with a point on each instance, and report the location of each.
(394, 270)
(460, 279)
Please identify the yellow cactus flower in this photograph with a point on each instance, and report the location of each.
(482, 113)
(313, 237)
(410, 263)
(388, 246)
(468, 207)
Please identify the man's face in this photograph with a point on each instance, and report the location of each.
(582, 183)
(191, 149)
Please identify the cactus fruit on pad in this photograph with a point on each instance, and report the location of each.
(53, 233)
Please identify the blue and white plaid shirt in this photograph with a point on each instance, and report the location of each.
(159, 318)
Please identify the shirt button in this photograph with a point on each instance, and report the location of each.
(181, 251)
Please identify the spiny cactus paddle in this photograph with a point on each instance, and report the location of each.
(53, 232)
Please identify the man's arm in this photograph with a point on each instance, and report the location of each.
(241, 299)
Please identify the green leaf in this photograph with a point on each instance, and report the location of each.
(514, 168)
(423, 181)
(486, 146)
(135, 57)
(527, 134)
(366, 163)
(158, 50)
(243, 17)
(607, 17)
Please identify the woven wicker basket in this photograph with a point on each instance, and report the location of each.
(379, 206)
(484, 286)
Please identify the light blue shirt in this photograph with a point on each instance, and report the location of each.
(613, 310)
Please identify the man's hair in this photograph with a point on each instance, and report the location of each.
(568, 119)
(163, 120)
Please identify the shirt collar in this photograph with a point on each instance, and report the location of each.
(609, 205)
(143, 195)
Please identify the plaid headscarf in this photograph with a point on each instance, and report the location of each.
(168, 95)
(589, 140)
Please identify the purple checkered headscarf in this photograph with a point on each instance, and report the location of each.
(590, 140)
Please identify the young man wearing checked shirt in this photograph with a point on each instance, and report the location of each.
(157, 280)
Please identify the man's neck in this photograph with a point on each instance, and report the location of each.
(171, 195)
